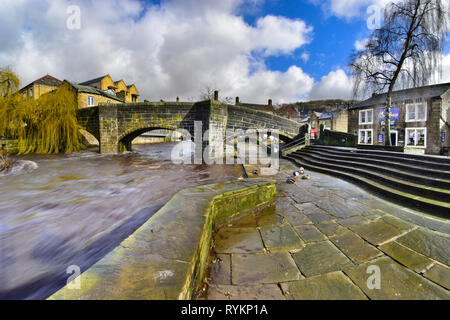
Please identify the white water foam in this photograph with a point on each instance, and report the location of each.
(20, 167)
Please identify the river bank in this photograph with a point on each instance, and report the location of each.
(63, 210)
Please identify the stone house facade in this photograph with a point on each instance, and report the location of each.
(335, 121)
(40, 86)
(89, 96)
(419, 119)
(127, 93)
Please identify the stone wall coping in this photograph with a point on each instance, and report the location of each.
(167, 257)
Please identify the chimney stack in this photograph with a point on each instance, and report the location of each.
(237, 100)
(178, 99)
(270, 102)
(216, 95)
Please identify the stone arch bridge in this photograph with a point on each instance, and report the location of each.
(115, 126)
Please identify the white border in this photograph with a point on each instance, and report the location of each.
(409, 105)
(396, 136)
(407, 137)
(359, 117)
(359, 137)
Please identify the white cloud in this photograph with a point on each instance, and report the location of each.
(305, 56)
(335, 85)
(173, 49)
(361, 44)
(445, 68)
(349, 8)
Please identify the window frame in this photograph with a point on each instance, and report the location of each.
(359, 136)
(415, 137)
(88, 101)
(360, 116)
(410, 105)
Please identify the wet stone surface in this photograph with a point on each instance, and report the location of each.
(320, 241)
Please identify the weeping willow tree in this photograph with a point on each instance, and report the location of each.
(47, 125)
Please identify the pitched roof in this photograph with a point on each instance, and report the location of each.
(86, 83)
(47, 80)
(425, 92)
(92, 90)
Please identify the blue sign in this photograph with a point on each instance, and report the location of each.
(395, 114)
(380, 138)
(443, 136)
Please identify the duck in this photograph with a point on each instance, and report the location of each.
(255, 172)
(290, 181)
(306, 177)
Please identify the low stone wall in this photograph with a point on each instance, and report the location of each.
(167, 257)
(339, 139)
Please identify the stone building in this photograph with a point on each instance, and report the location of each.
(90, 96)
(335, 121)
(261, 107)
(127, 93)
(40, 86)
(419, 119)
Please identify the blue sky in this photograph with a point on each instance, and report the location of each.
(284, 50)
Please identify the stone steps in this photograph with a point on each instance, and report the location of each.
(430, 195)
(397, 170)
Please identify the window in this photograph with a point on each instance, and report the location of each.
(416, 112)
(416, 137)
(365, 136)
(366, 116)
(90, 101)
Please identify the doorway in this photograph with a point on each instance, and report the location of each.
(394, 137)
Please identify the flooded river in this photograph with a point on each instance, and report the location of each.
(63, 210)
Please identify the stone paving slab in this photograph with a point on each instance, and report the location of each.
(330, 228)
(281, 238)
(320, 217)
(429, 244)
(398, 223)
(440, 275)
(354, 247)
(309, 208)
(238, 240)
(319, 258)
(406, 256)
(297, 219)
(376, 232)
(309, 233)
(330, 286)
(397, 282)
(221, 269)
(258, 292)
(346, 222)
(263, 268)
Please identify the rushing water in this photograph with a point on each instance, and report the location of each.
(58, 211)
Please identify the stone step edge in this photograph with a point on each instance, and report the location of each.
(411, 188)
(167, 257)
(392, 195)
(368, 168)
(364, 157)
(400, 155)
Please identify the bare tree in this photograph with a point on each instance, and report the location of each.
(406, 51)
(208, 94)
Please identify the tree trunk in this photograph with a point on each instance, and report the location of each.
(387, 119)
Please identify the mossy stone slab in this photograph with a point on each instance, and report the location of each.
(397, 282)
(376, 232)
(352, 220)
(320, 217)
(330, 228)
(309, 233)
(399, 223)
(309, 208)
(263, 268)
(245, 292)
(129, 275)
(406, 256)
(296, 218)
(354, 247)
(428, 243)
(330, 286)
(238, 240)
(319, 258)
(281, 238)
(440, 275)
(221, 269)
